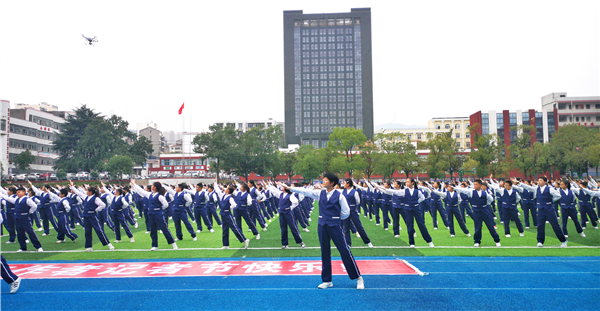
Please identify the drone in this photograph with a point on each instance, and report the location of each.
(90, 41)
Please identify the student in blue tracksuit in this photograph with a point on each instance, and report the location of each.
(287, 202)
(333, 208)
(46, 211)
(103, 215)
(156, 204)
(9, 277)
(23, 207)
(397, 207)
(369, 202)
(465, 206)
(118, 205)
(412, 199)
(146, 203)
(353, 200)
(9, 222)
(568, 207)
(437, 206)
(226, 204)
(75, 213)
(482, 211)
(35, 217)
(545, 195)
(386, 205)
(585, 204)
(62, 211)
(377, 200)
(128, 212)
(211, 206)
(262, 195)
(200, 198)
(298, 214)
(509, 197)
(181, 199)
(243, 203)
(92, 204)
(254, 210)
(453, 200)
(528, 206)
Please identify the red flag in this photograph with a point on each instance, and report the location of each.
(181, 109)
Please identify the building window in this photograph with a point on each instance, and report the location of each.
(447, 126)
(457, 126)
(587, 106)
(419, 135)
(409, 137)
(468, 144)
(458, 144)
(457, 135)
(467, 135)
(437, 127)
(485, 124)
(576, 119)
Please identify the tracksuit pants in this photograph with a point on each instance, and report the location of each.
(328, 233)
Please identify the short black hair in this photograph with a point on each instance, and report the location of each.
(64, 191)
(21, 189)
(543, 178)
(332, 178)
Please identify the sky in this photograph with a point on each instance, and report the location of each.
(224, 59)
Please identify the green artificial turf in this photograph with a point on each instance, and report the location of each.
(272, 239)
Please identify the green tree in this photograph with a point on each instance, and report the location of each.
(61, 174)
(24, 160)
(444, 156)
(387, 164)
(487, 152)
(288, 159)
(72, 130)
(568, 146)
(265, 147)
(217, 143)
(345, 140)
(308, 163)
(368, 151)
(523, 156)
(394, 142)
(140, 149)
(119, 165)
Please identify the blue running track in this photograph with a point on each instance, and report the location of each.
(450, 283)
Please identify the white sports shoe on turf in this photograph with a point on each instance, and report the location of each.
(540, 245)
(452, 235)
(302, 245)
(225, 247)
(59, 241)
(132, 240)
(258, 236)
(396, 236)
(309, 219)
(246, 243)
(582, 235)
(41, 250)
(20, 250)
(508, 235)
(136, 225)
(111, 247)
(285, 247)
(194, 221)
(249, 230)
(498, 244)
(10, 242)
(431, 244)
(175, 245)
(212, 230)
(89, 249)
(265, 229)
(40, 230)
(370, 245)
(468, 234)
(476, 245)
(154, 249)
(14, 286)
(434, 228)
(522, 234)
(360, 283)
(45, 234)
(566, 236)
(526, 227)
(306, 230)
(175, 239)
(386, 229)
(325, 285)
(357, 235)
(563, 244)
(195, 239)
(412, 246)
(147, 232)
(117, 241)
(160, 231)
(198, 231)
(26, 241)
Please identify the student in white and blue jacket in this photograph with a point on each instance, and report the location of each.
(287, 203)
(118, 205)
(333, 208)
(46, 211)
(200, 197)
(91, 205)
(181, 199)
(586, 207)
(453, 200)
(156, 204)
(226, 204)
(353, 199)
(23, 207)
(568, 205)
(482, 211)
(508, 196)
(62, 210)
(528, 206)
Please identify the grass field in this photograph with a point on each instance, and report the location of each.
(209, 244)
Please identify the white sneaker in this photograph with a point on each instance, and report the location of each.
(302, 245)
(563, 244)
(265, 229)
(526, 227)
(195, 239)
(10, 242)
(20, 250)
(582, 235)
(508, 235)
(89, 249)
(412, 246)
(59, 241)
(258, 236)
(386, 229)
(117, 241)
(147, 232)
(175, 239)
(249, 230)
(26, 241)
(448, 228)
(42, 229)
(154, 249)
(476, 245)
(198, 231)
(357, 235)
(415, 235)
(41, 250)
(376, 224)
(495, 218)
(111, 247)
(431, 244)
(221, 226)
(285, 247)
(452, 235)
(175, 245)
(212, 230)
(396, 236)
(325, 285)
(498, 244)
(14, 286)
(522, 234)
(566, 236)
(246, 243)
(360, 283)
(225, 247)
(596, 227)
(45, 234)
(306, 230)
(160, 231)
(540, 245)
(193, 221)
(136, 225)
(468, 234)
(132, 240)
(309, 219)
(370, 245)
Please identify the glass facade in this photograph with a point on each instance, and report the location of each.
(485, 124)
(526, 118)
(327, 76)
(551, 125)
(500, 127)
(539, 127)
(512, 123)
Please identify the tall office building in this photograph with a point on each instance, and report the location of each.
(328, 74)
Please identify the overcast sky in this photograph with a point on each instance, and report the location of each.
(225, 58)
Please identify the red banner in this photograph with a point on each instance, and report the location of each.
(203, 268)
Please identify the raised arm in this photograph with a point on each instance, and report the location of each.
(100, 204)
(37, 191)
(137, 189)
(8, 198)
(315, 194)
(276, 192)
(467, 191)
(169, 190)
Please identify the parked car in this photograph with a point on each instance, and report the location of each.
(33, 176)
(53, 177)
(82, 175)
(125, 176)
(71, 176)
(45, 176)
(103, 175)
(153, 175)
(12, 177)
(21, 177)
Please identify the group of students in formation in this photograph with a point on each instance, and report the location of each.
(541, 201)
